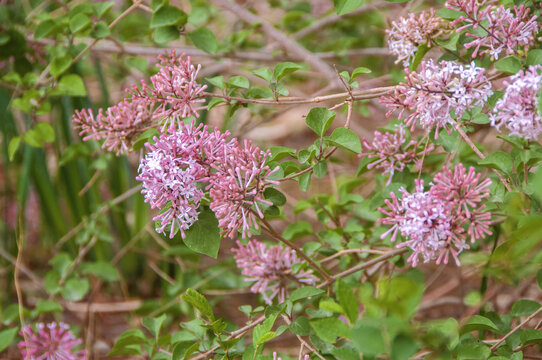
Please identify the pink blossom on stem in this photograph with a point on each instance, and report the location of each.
(433, 92)
(392, 152)
(119, 125)
(519, 109)
(503, 29)
(408, 33)
(53, 341)
(270, 268)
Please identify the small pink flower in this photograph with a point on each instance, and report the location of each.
(270, 268)
(53, 341)
(518, 109)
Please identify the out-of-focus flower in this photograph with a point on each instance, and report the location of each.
(237, 186)
(270, 268)
(53, 341)
(433, 92)
(436, 223)
(498, 29)
(392, 152)
(518, 110)
(119, 125)
(408, 33)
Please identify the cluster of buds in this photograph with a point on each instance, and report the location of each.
(182, 164)
(433, 92)
(408, 33)
(519, 109)
(437, 223)
(173, 96)
(50, 341)
(270, 268)
(496, 29)
(392, 152)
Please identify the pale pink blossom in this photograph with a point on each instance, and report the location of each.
(52, 341)
(270, 268)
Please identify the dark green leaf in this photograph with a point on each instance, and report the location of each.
(348, 301)
(346, 139)
(367, 338)
(305, 292)
(499, 160)
(102, 8)
(319, 119)
(478, 322)
(239, 82)
(300, 326)
(75, 289)
(204, 39)
(297, 230)
(79, 22)
(154, 325)
(165, 34)
(534, 57)
(101, 269)
(46, 306)
(275, 196)
(60, 64)
(44, 29)
(509, 65)
(530, 336)
(524, 308)
(168, 15)
(204, 235)
(101, 30)
(329, 329)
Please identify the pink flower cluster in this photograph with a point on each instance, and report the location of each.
(270, 268)
(502, 30)
(174, 95)
(437, 223)
(392, 152)
(433, 92)
(53, 341)
(182, 164)
(519, 109)
(408, 33)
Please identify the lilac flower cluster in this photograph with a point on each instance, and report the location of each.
(53, 341)
(503, 30)
(174, 95)
(408, 33)
(519, 109)
(234, 174)
(392, 152)
(437, 223)
(437, 89)
(270, 268)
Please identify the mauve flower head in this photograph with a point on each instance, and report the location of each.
(236, 186)
(391, 151)
(270, 268)
(408, 33)
(120, 125)
(431, 93)
(519, 109)
(499, 29)
(437, 222)
(52, 341)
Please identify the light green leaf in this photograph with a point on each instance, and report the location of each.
(305, 292)
(60, 64)
(75, 289)
(283, 69)
(204, 39)
(71, 85)
(297, 230)
(79, 22)
(13, 146)
(534, 57)
(509, 65)
(346, 139)
(101, 269)
(329, 329)
(319, 119)
(360, 71)
(264, 73)
(102, 8)
(199, 302)
(499, 160)
(367, 338)
(239, 82)
(478, 322)
(168, 15)
(524, 308)
(101, 30)
(6, 337)
(46, 306)
(204, 235)
(154, 325)
(348, 301)
(165, 34)
(345, 6)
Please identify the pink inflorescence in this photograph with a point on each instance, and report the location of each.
(270, 267)
(497, 28)
(431, 93)
(408, 33)
(173, 96)
(119, 125)
(53, 341)
(519, 109)
(391, 151)
(182, 164)
(437, 223)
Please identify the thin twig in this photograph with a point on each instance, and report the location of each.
(516, 329)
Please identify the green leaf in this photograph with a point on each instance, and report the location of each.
(102, 8)
(154, 325)
(165, 34)
(101, 30)
(345, 6)
(367, 338)
(128, 343)
(478, 322)
(346, 139)
(403, 347)
(6, 338)
(524, 308)
(60, 64)
(264, 73)
(275, 196)
(44, 29)
(13, 146)
(539, 278)
(320, 169)
(146, 137)
(319, 119)
(41, 134)
(75, 289)
(71, 85)
(199, 302)
(168, 15)
(297, 230)
(305, 292)
(79, 22)
(418, 57)
(360, 71)
(283, 69)
(183, 350)
(331, 306)
(101, 269)
(527, 337)
(348, 301)
(204, 39)
(300, 326)
(329, 329)
(239, 82)
(499, 160)
(509, 65)
(204, 235)
(534, 57)
(46, 306)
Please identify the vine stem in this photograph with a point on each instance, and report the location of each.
(515, 329)
(480, 154)
(294, 247)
